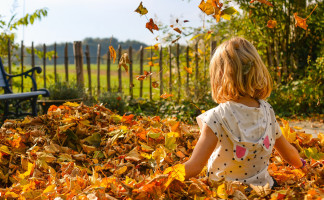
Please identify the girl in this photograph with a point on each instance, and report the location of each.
(237, 136)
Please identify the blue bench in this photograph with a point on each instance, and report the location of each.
(17, 98)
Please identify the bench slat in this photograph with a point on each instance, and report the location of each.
(21, 95)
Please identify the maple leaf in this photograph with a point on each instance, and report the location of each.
(151, 25)
(300, 22)
(112, 53)
(141, 9)
(124, 60)
(263, 1)
(271, 23)
(165, 96)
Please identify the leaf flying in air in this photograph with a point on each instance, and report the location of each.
(151, 25)
(112, 53)
(141, 9)
(124, 60)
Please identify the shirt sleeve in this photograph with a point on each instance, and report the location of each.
(209, 118)
(278, 131)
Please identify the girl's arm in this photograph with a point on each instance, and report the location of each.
(200, 155)
(288, 152)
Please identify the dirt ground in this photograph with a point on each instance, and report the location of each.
(309, 126)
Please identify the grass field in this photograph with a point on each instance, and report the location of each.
(94, 83)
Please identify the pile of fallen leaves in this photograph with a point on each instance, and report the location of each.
(81, 152)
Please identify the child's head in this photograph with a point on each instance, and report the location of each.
(236, 70)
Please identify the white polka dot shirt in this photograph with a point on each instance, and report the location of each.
(246, 136)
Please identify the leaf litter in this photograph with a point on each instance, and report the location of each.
(80, 152)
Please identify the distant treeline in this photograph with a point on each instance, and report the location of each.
(93, 45)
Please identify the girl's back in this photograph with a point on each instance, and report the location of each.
(246, 137)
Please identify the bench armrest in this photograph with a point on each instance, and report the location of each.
(29, 73)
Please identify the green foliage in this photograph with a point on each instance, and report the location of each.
(185, 110)
(63, 91)
(6, 29)
(114, 101)
(302, 96)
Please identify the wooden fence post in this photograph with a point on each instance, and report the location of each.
(44, 64)
(22, 65)
(33, 58)
(187, 61)
(178, 69)
(55, 53)
(9, 60)
(108, 71)
(151, 72)
(130, 50)
(197, 67)
(212, 48)
(98, 69)
(78, 60)
(119, 70)
(161, 70)
(87, 53)
(66, 62)
(170, 68)
(141, 70)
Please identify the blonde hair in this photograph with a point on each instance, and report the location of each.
(236, 70)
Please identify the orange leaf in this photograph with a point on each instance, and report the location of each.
(151, 25)
(112, 53)
(300, 22)
(165, 96)
(188, 70)
(272, 24)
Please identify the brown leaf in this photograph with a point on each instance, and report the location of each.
(155, 84)
(124, 60)
(151, 25)
(178, 30)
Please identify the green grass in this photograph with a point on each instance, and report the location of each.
(94, 82)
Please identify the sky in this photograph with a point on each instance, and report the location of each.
(72, 20)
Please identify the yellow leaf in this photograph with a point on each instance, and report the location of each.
(121, 170)
(221, 191)
(4, 149)
(286, 131)
(49, 188)
(72, 104)
(321, 137)
(159, 155)
(177, 172)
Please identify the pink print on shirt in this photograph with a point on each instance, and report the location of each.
(266, 142)
(240, 151)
